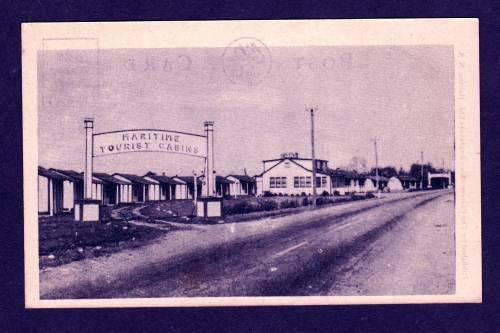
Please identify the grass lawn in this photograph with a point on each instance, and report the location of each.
(62, 240)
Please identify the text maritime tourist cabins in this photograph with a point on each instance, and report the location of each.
(288, 175)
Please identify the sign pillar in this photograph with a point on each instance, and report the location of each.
(89, 132)
(88, 209)
(209, 205)
(210, 177)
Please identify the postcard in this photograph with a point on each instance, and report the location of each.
(231, 163)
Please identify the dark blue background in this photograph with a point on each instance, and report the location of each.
(377, 318)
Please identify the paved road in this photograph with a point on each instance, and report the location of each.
(400, 245)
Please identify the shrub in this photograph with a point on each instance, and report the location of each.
(305, 201)
(336, 193)
(325, 194)
(324, 200)
(267, 194)
(268, 205)
(289, 204)
(241, 207)
(303, 194)
(370, 195)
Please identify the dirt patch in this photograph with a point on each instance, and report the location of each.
(63, 240)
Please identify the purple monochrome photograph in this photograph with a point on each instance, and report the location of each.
(249, 170)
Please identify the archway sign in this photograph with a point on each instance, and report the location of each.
(148, 140)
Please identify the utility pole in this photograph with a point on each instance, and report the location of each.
(313, 157)
(376, 168)
(422, 170)
(195, 192)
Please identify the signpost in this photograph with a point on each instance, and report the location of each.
(149, 140)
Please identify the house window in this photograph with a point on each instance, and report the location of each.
(283, 182)
(299, 182)
(277, 182)
(321, 181)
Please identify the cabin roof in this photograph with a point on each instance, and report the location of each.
(243, 178)
(108, 178)
(163, 179)
(134, 178)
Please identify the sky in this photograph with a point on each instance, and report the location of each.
(401, 95)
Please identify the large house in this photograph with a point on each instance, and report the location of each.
(291, 175)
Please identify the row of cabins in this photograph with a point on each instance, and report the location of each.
(58, 189)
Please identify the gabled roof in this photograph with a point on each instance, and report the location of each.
(318, 171)
(307, 169)
(163, 179)
(134, 178)
(222, 180)
(76, 176)
(243, 178)
(108, 178)
(293, 158)
(189, 179)
(51, 174)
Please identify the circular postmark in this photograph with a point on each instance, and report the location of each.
(247, 61)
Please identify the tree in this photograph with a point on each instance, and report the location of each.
(357, 164)
(388, 171)
(415, 171)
